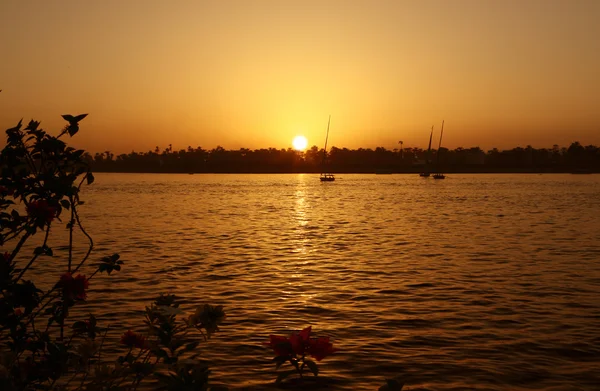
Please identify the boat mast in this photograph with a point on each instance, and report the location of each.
(441, 134)
(327, 136)
(440, 145)
(429, 148)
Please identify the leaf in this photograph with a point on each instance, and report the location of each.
(53, 348)
(283, 375)
(18, 127)
(169, 311)
(312, 366)
(72, 129)
(161, 353)
(33, 125)
(392, 385)
(279, 360)
(191, 346)
(43, 250)
(90, 178)
(74, 119)
(65, 204)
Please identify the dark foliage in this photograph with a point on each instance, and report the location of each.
(340, 160)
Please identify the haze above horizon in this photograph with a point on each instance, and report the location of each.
(256, 74)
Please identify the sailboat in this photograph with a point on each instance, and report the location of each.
(325, 176)
(439, 175)
(425, 174)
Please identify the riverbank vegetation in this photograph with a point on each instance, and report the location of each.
(575, 158)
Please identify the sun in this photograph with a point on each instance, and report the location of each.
(300, 143)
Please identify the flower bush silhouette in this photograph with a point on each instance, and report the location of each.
(40, 346)
(295, 348)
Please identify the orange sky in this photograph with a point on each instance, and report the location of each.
(241, 73)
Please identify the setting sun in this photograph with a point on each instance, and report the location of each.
(300, 143)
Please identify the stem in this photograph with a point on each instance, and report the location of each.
(52, 384)
(87, 235)
(71, 222)
(19, 245)
(15, 234)
(83, 380)
(34, 257)
(32, 165)
(102, 343)
(62, 321)
(71, 379)
(70, 340)
(144, 361)
(33, 316)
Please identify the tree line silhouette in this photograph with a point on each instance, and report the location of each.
(575, 158)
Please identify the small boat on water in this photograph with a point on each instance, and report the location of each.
(326, 176)
(425, 173)
(438, 174)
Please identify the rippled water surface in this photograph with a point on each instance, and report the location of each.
(487, 282)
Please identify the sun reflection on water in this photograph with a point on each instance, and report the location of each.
(301, 207)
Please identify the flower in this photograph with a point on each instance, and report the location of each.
(280, 345)
(41, 211)
(208, 317)
(300, 341)
(4, 191)
(320, 348)
(74, 288)
(132, 340)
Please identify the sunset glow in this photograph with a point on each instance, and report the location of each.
(242, 73)
(300, 143)
(352, 194)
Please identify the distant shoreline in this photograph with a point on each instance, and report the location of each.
(345, 172)
(574, 159)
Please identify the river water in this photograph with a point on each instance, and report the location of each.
(486, 282)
